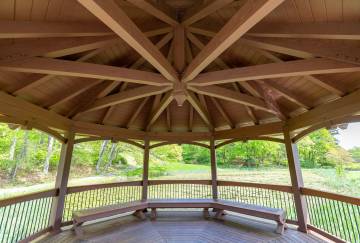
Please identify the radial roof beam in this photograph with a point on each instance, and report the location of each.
(165, 101)
(85, 70)
(60, 47)
(329, 30)
(275, 70)
(222, 112)
(245, 18)
(232, 96)
(126, 96)
(193, 16)
(42, 29)
(117, 20)
(194, 101)
(161, 14)
(336, 49)
(179, 48)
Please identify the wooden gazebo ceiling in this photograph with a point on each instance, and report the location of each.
(180, 65)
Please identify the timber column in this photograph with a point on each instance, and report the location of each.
(145, 179)
(296, 181)
(61, 182)
(213, 168)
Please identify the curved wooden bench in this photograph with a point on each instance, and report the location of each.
(278, 215)
(82, 216)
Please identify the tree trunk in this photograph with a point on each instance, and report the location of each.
(48, 155)
(23, 155)
(13, 146)
(101, 153)
(112, 154)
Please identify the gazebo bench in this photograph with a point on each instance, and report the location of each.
(82, 216)
(276, 214)
(153, 204)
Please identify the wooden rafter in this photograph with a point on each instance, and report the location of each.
(165, 101)
(126, 96)
(336, 49)
(137, 112)
(85, 70)
(246, 17)
(191, 118)
(222, 112)
(194, 101)
(179, 48)
(44, 29)
(275, 70)
(117, 20)
(59, 48)
(194, 15)
(168, 119)
(233, 96)
(328, 30)
(162, 14)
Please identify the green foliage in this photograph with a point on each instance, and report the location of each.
(355, 153)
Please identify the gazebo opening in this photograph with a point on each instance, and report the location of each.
(199, 121)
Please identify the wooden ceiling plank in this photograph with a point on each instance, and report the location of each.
(168, 119)
(164, 103)
(86, 70)
(117, 20)
(246, 17)
(191, 118)
(137, 112)
(155, 11)
(126, 96)
(335, 49)
(329, 30)
(275, 70)
(222, 112)
(46, 29)
(233, 96)
(194, 15)
(193, 100)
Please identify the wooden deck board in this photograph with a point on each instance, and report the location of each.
(180, 226)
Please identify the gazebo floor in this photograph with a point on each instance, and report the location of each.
(182, 226)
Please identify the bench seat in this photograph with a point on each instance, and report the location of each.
(82, 216)
(278, 215)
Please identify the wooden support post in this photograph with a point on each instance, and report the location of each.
(61, 182)
(145, 169)
(296, 180)
(213, 168)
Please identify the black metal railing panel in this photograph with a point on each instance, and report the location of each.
(177, 190)
(97, 197)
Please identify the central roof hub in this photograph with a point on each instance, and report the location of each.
(179, 93)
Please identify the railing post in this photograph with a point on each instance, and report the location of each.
(296, 180)
(61, 182)
(213, 168)
(145, 179)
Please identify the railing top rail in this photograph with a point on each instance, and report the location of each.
(28, 197)
(330, 195)
(198, 182)
(74, 189)
(283, 188)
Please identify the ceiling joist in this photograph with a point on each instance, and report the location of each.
(117, 20)
(245, 18)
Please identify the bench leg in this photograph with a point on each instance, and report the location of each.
(78, 230)
(153, 214)
(139, 214)
(219, 214)
(280, 227)
(206, 213)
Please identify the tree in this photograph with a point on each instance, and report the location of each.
(355, 153)
(101, 154)
(49, 153)
(13, 146)
(113, 152)
(23, 155)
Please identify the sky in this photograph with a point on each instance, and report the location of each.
(349, 137)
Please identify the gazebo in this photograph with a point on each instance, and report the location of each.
(207, 73)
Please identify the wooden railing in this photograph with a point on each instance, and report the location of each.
(83, 197)
(334, 216)
(179, 189)
(26, 216)
(276, 196)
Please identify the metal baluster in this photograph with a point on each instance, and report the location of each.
(351, 222)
